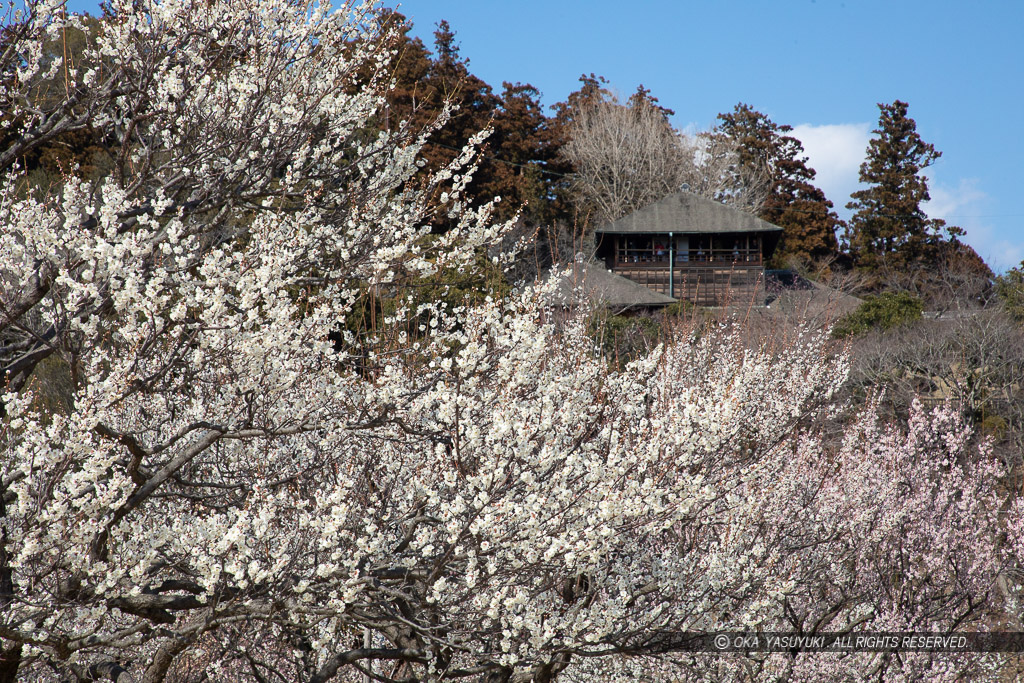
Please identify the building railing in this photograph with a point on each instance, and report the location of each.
(706, 283)
(655, 258)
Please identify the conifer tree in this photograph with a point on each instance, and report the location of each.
(515, 154)
(594, 89)
(522, 148)
(889, 228)
(793, 202)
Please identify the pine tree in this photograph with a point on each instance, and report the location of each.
(794, 203)
(889, 229)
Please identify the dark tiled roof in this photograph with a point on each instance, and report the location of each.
(687, 213)
(604, 287)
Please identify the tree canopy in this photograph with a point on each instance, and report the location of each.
(515, 156)
(890, 228)
(793, 202)
(627, 155)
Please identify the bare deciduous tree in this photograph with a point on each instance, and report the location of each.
(629, 156)
(713, 170)
(971, 358)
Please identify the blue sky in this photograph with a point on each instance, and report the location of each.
(820, 66)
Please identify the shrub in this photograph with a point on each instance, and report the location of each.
(881, 312)
(1010, 290)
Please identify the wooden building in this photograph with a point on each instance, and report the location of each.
(691, 248)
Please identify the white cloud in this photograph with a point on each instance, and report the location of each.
(998, 252)
(950, 203)
(835, 152)
(966, 205)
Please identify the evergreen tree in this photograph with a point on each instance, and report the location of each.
(521, 145)
(410, 99)
(889, 228)
(524, 147)
(794, 203)
(449, 80)
(643, 98)
(592, 91)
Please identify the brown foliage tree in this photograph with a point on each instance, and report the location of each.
(889, 227)
(514, 160)
(793, 202)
